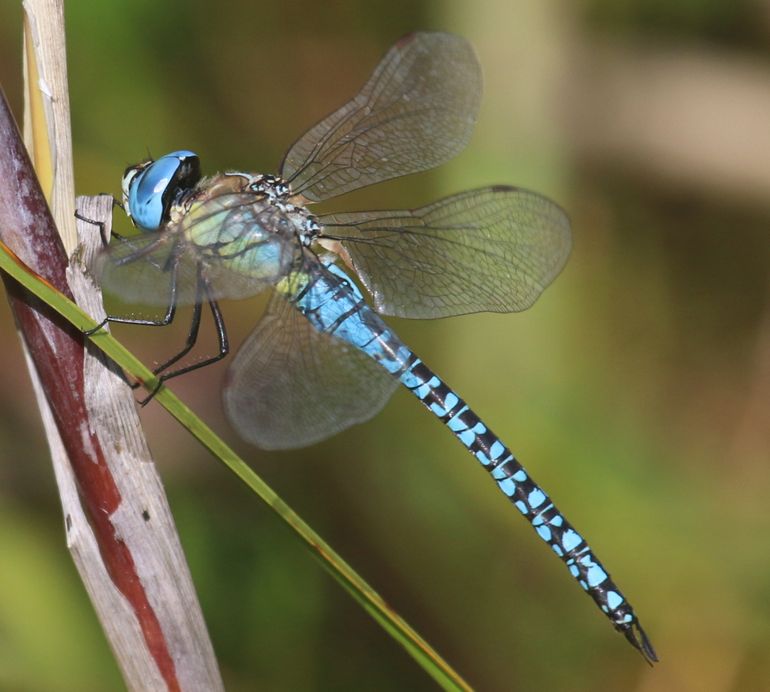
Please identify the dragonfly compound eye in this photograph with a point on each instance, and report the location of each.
(152, 187)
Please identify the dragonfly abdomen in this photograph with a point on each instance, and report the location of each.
(527, 496)
(334, 305)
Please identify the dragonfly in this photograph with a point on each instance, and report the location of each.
(321, 358)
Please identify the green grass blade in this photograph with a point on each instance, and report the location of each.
(365, 595)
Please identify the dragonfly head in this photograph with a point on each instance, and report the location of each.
(151, 187)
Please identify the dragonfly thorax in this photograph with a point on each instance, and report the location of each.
(242, 224)
(276, 188)
(277, 193)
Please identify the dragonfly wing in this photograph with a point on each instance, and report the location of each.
(493, 249)
(224, 241)
(141, 269)
(416, 111)
(290, 385)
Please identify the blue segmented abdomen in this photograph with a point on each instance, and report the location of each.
(526, 495)
(333, 304)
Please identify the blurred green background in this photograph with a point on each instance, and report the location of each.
(636, 390)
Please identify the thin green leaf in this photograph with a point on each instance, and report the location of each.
(364, 594)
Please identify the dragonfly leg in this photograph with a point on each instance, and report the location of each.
(102, 225)
(164, 321)
(223, 341)
(192, 338)
(172, 268)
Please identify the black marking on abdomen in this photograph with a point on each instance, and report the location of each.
(528, 498)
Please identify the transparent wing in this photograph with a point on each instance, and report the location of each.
(290, 385)
(493, 249)
(416, 111)
(142, 269)
(224, 240)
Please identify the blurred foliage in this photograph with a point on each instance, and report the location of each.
(635, 390)
(730, 23)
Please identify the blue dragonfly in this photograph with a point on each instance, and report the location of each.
(321, 359)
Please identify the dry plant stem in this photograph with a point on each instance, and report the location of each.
(130, 561)
(144, 519)
(47, 132)
(119, 528)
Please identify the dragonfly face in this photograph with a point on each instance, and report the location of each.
(321, 359)
(151, 187)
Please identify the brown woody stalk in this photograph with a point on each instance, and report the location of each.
(119, 528)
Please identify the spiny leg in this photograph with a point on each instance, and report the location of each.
(102, 225)
(202, 294)
(171, 266)
(192, 334)
(171, 304)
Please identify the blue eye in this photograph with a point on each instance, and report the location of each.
(150, 188)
